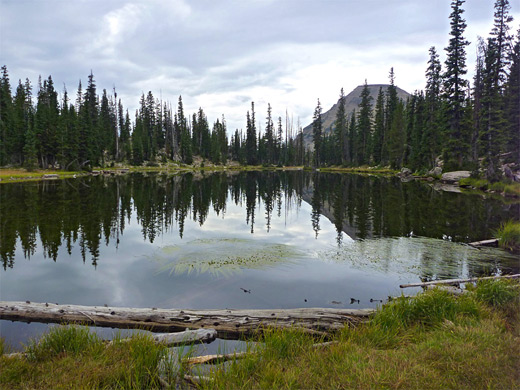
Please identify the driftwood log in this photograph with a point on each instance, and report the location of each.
(458, 281)
(492, 242)
(229, 324)
(182, 338)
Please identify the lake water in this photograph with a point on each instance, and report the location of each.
(294, 239)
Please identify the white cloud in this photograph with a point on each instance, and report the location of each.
(221, 55)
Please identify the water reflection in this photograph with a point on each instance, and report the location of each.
(95, 210)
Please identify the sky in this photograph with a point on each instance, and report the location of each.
(223, 54)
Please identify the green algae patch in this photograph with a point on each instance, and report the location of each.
(425, 257)
(223, 256)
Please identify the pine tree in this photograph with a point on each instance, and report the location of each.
(364, 127)
(251, 144)
(6, 117)
(351, 147)
(340, 130)
(391, 106)
(512, 102)
(456, 148)
(430, 144)
(317, 129)
(493, 110)
(46, 123)
(20, 124)
(269, 137)
(477, 95)
(397, 137)
(379, 128)
(29, 153)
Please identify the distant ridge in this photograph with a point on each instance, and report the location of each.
(352, 101)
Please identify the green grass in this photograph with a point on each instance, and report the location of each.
(436, 340)
(14, 175)
(509, 235)
(508, 189)
(74, 357)
(431, 342)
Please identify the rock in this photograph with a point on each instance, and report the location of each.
(508, 173)
(405, 175)
(439, 162)
(437, 186)
(50, 176)
(405, 172)
(455, 176)
(437, 171)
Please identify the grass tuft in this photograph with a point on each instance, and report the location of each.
(434, 340)
(509, 235)
(74, 357)
(497, 292)
(72, 340)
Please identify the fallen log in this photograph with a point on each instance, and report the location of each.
(215, 359)
(492, 242)
(183, 338)
(457, 281)
(221, 358)
(229, 323)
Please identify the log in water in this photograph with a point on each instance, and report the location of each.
(458, 281)
(228, 323)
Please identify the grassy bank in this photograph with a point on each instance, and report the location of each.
(507, 189)
(436, 340)
(13, 175)
(509, 235)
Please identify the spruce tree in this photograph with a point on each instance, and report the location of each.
(351, 146)
(494, 80)
(430, 144)
(364, 127)
(251, 144)
(457, 147)
(512, 102)
(340, 130)
(317, 128)
(397, 137)
(391, 106)
(379, 128)
(20, 124)
(6, 117)
(269, 136)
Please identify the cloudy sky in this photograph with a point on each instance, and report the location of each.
(222, 54)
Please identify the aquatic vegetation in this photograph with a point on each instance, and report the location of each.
(223, 256)
(426, 257)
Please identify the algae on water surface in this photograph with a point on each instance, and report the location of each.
(223, 256)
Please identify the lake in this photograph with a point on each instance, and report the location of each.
(198, 240)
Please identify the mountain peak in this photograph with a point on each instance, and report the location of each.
(352, 101)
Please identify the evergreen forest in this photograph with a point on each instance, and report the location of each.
(468, 125)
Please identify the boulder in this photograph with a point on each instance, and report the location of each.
(405, 175)
(437, 171)
(455, 176)
(405, 172)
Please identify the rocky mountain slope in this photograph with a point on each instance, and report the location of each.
(352, 101)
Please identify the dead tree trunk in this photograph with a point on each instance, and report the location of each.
(229, 324)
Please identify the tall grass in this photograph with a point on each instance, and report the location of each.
(433, 341)
(509, 235)
(497, 292)
(74, 357)
(71, 340)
